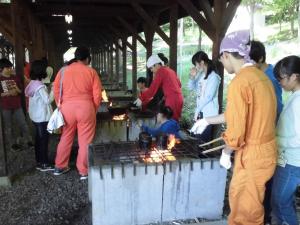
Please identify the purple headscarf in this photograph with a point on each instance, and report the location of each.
(238, 41)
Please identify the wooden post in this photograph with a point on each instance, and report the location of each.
(134, 65)
(105, 60)
(149, 35)
(19, 47)
(124, 61)
(92, 59)
(117, 63)
(173, 36)
(102, 60)
(111, 62)
(96, 59)
(3, 161)
(18, 43)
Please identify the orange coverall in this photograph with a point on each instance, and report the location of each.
(81, 97)
(250, 116)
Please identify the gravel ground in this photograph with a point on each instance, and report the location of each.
(40, 198)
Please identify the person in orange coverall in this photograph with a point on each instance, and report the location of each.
(81, 97)
(250, 117)
(167, 79)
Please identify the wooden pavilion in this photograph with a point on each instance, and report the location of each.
(104, 26)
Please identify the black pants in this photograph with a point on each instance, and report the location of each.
(267, 201)
(41, 142)
(206, 136)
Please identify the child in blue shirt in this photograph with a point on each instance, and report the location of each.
(167, 124)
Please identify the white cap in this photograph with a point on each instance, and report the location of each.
(154, 59)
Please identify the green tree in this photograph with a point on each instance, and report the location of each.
(284, 10)
(252, 6)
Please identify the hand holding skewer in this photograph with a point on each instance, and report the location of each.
(225, 160)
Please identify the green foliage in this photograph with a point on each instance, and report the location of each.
(284, 35)
(282, 10)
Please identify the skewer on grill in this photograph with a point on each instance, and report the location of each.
(214, 149)
(211, 142)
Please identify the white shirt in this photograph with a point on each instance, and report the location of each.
(288, 131)
(207, 95)
(40, 109)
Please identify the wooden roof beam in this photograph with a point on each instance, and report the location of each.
(229, 13)
(150, 21)
(79, 11)
(199, 19)
(116, 32)
(149, 2)
(208, 12)
(132, 30)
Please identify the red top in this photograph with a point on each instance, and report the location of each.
(168, 80)
(6, 84)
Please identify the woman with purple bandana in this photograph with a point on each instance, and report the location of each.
(250, 118)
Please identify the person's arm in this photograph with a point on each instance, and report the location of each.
(211, 88)
(97, 90)
(44, 95)
(56, 87)
(214, 120)
(193, 82)
(238, 100)
(17, 87)
(150, 92)
(292, 141)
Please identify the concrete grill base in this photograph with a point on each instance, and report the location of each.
(135, 194)
(107, 131)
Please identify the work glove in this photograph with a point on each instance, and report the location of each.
(199, 126)
(138, 103)
(225, 158)
(196, 117)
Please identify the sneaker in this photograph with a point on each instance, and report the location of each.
(16, 147)
(45, 167)
(83, 177)
(38, 166)
(58, 171)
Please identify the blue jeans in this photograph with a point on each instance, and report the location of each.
(285, 182)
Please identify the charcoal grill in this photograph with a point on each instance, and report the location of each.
(130, 152)
(126, 188)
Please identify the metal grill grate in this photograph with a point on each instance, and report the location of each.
(129, 152)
